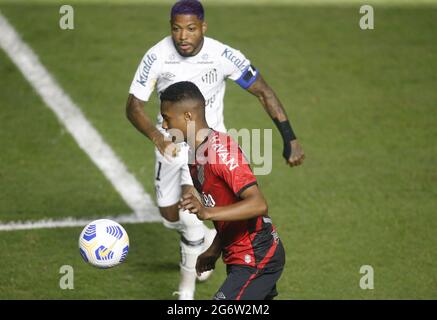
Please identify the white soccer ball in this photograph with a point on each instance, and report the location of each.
(104, 243)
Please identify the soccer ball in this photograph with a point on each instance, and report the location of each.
(104, 243)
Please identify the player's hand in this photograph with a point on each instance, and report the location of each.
(166, 147)
(206, 261)
(297, 155)
(191, 203)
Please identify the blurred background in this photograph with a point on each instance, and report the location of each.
(362, 102)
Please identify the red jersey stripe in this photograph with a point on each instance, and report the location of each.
(260, 266)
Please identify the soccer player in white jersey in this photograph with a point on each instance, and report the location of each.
(188, 55)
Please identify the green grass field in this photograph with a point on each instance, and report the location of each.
(363, 104)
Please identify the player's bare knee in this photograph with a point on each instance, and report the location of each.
(170, 213)
(170, 217)
(172, 225)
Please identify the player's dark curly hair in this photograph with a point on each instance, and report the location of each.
(183, 90)
(193, 7)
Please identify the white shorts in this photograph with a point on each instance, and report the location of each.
(170, 175)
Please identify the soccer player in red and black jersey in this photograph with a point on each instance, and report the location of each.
(229, 196)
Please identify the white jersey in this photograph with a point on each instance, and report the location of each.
(162, 66)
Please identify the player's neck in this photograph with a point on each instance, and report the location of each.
(202, 134)
(199, 48)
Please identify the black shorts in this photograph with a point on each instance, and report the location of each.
(249, 283)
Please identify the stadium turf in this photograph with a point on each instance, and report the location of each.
(363, 104)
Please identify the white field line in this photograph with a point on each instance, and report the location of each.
(69, 114)
(72, 222)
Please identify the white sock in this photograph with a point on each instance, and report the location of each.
(188, 281)
(189, 256)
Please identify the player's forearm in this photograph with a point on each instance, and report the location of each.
(272, 105)
(136, 115)
(216, 246)
(274, 108)
(268, 99)
(277, 113)
(246, 209)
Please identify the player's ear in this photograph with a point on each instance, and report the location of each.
(188, 116)
(204, 27)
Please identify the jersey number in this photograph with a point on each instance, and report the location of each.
(159, 170)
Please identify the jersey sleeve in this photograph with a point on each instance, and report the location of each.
(235, 171)
(146, 75)
(237, 67)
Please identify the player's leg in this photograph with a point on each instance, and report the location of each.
(237, 277)
(272, 294)
(247, 283)
(191, 246)
(169, 178)
(168, 194)
(208, 233)
(261, 287)
(195, 239)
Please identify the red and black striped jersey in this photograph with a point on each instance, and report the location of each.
(220, 173)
